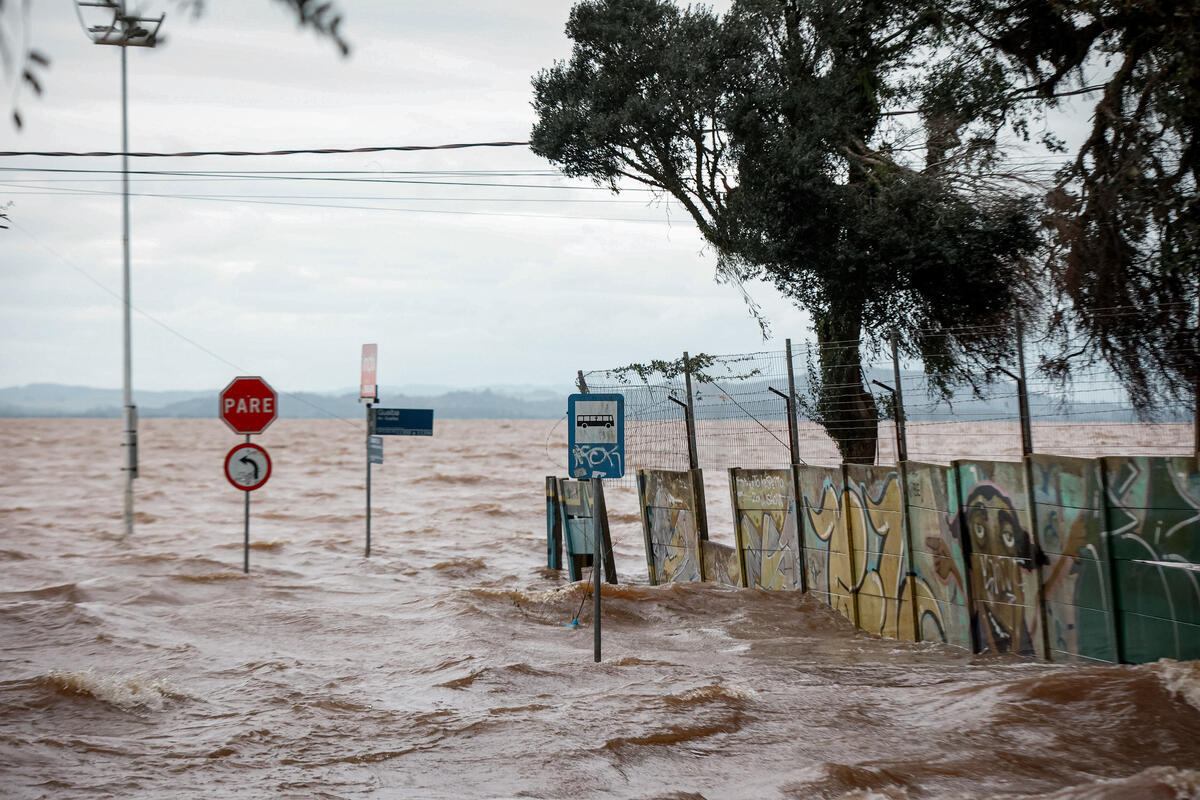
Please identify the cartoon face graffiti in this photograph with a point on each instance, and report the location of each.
(1002, 555)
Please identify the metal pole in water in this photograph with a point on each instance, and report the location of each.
(368, 441)
(246, 535)
(130, 438)
(597, 559)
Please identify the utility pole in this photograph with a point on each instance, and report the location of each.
(125, 31)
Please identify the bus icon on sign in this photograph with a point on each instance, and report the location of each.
(594, 421)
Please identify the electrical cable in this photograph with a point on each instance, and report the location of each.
(345, 207)
(574, 623)
(171, 330)
(237, 153)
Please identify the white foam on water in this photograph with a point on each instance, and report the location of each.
(1184, 783)
(1182, 679)
(717, 692)
(126, 692)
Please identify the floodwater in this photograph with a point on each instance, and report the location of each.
(445, 665)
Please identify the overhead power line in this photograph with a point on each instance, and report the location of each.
(240, 369)
(313, 151)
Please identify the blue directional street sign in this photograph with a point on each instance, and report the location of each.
(401, 422)
(596, 437)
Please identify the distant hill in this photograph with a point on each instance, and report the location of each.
(524, 402)
(56, 400)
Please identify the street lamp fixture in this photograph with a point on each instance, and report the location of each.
(124, 31)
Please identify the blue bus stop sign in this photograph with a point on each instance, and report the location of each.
(596, 438)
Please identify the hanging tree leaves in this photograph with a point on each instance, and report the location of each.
(1124, 215)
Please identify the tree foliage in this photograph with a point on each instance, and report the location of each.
(1124, 215)
(771, 126)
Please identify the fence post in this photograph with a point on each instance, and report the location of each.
(554, 525)
(794, 432)
(693, 456)
(1109, 533)
(793, 423)
(787, 400)
(599, 508)
(581, 382)
(1023, 410)
(898, 395)
(597, 557)
(1023, 392)
(1031, 500)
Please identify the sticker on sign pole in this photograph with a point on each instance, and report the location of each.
(596, 437)
(247, 466)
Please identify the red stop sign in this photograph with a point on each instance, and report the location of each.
(249, 404)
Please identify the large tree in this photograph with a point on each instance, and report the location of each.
(1124, 214)
(774, 126)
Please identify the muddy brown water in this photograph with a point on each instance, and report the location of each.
(445, 665)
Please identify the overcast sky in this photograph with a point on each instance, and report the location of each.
(459, 285)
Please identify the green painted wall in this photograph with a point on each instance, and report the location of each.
(1069, 520)
(1153, 521)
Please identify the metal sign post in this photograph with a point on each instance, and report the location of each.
(369, 437)
(247, 467)
(596, 450)
(248, 405)
(246, 529)
(368, 392)
(391, 422)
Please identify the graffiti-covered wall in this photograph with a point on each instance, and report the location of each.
(766, 529)
(1003, 558)
(940, 580)
(1059, 558)
(875, 517)
(722, 563)
(1153, 519)
(1069, 516)
(670, 523)
(826, 541)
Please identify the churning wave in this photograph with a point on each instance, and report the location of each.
(1181, 678)
(1155, 783)
(126, 692)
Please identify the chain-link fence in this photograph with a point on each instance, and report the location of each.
(740, 410)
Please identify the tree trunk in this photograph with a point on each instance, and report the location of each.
(846, 408)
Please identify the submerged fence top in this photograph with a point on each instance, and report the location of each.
(741, 422)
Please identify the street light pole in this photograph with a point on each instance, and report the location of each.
(125, 31)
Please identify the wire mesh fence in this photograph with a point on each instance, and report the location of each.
(740, 409)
